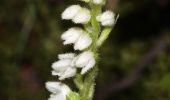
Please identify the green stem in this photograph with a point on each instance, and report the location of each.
(88, 85)
(95, 10)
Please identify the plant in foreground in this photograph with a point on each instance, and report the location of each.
(81, 67)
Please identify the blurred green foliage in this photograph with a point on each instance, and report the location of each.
(30, 41)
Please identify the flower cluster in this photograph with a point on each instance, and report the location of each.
(82, 40)
(78, 37)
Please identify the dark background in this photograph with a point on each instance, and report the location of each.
(134, 63)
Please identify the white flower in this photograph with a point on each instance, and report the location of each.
(58, 90)
(82, 17)
(77, 14)
(90, 65)
(83, 42)
(70, 72)
(78, 37)
(70, 12)
(85, 61)
(71, 35)
(107, 18)
(86, 0)
(57, 97)
(66, 56)
(63, 67)
(98, 1)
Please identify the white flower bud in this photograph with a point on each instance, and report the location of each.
(57, 97)
(70, 72)
(70, 12)
(86, 61)
(85, 0)
(80, 38)
(58, 89)
(67, 73)
(82, 17)
(73, 61)
(71, 35)
(90, 65)
(83, 42)
(84, 58)
(53, 87)
(55, 73)
(66, 56)
(64, 68)
(61, 65)
(98, 2)
(107, 18)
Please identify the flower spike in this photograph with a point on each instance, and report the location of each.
(86, 39)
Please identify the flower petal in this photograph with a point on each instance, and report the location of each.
(83, 42)
(90, 65)
(70, 12)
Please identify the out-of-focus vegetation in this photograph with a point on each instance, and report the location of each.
(134, 63)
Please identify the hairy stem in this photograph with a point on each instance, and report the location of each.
(88, 86)
(86, 93)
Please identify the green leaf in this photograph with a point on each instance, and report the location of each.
(104, 35)
(73, 96)
(78, 81)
